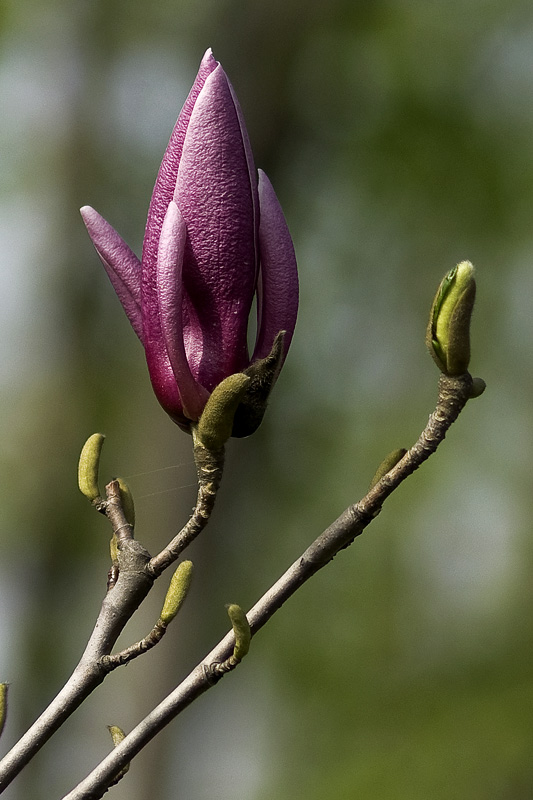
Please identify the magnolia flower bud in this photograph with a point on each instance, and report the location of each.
(448, 333)
(215, 238)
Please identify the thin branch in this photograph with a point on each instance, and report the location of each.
(453, 395)
(109, 663)
(117, 607)
(209, 466)
(136, 575)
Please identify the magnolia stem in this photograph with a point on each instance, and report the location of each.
(453, 395)
(136, 576)
(209, 466)
(109, 663)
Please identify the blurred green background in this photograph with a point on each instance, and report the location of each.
(398, 135)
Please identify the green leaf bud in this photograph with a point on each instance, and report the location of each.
(387, 464)
(117, 734)
(216, 421)
(177, 591)
(448, 333)
(128, 505)
(264, 374)
(3, 705)
(113, 549)
(88, 466)
(241, 630)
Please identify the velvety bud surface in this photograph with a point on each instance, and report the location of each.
(215, 238)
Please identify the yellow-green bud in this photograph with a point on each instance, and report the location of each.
(241, 630)
(113, 549)
(128, 505)
(448, 334)
(216, 422)
(3, 705)
(177, 591)
(117, 734)
(387, 464)
(264, 374)
(88, 466)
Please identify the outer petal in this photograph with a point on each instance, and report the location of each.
(120, 262)
(215, 192)
(277, 293)
(166, 179)
(170, 299)
(159, 366)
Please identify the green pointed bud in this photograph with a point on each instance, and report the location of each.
(88, 466)
(216, 422)
(117, 734)
(241, 630)
(264, 374)
(177, 591)
(477, 388)
(387, 464)
(3, 705)
(113, 549)
(128, 505)
(448, 333)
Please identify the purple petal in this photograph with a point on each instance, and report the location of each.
(159, 366)
(120, 262)
(215, 193)
(170, 299)
(166, 179)
(277, 294)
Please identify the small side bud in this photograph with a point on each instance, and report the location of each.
(117, 735)
(448, 333)
(128, 505)
(241, 630)
(113, 549)
(88, 466)
(477, 388)
(387, 464)
(264, 374)
(177, 591)
(216, 422)
(3, 705)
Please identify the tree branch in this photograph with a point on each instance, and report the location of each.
(453, 395)
(209, 466)
(136, 575)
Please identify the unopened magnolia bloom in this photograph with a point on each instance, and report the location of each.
(215, 238)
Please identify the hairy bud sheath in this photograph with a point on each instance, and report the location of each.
(448, 333)
(241, 630)
(88, 466)
(177, 591)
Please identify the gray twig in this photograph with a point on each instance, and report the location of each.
(136, 575)
(453, 395)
